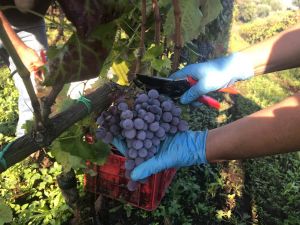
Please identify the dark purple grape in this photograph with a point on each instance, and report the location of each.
(108, 118)
(183, 126)
(167, 106)
(144, 105)
(138, 161)
(149, 117)
(149, 134)
(137, 107)
(114, 120)
(113, 110)
(153, 93)
(138, 124)
(176, 111)
(142, 98)
(147, 143)
(175, 121)
(114, 129)
(166, 126)
(129, 143)
(156, 102)
(127, 124)
(127, 174)
(150, 154)
(137, 144)
(129, 164)
(162, 98)
(155, 109)
(154, 127)
(145, 128)
(100, 120)
(108, 138)
(132, 153)
(122, 106)
(157, 117)
(167, 117)
(173, 130)
(100, 133)
(156, 141)
(127, 114)
(132, 185)
(153, 149)
(141, 135)
(129, 133)
(142, 113)
(160, 133)
(143, 153)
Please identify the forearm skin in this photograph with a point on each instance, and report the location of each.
(278, 53)
(16, 41)
(273, 130)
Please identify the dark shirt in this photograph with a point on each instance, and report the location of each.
(16, 17)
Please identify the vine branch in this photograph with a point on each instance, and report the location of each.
(141, 50)
(178, 39)
(157, 21)
(100, 100)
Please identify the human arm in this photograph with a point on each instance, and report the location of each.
(28, 56)
(270, 131)
(278, 53)
(273, 130)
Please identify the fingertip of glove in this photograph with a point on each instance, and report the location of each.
(137, 175)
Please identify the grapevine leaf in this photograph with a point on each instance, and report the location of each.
(67, 160)
(96, 153)
(6, 214)
(121, 69)
(191, 20)
(152, 52)
(164, 3)
(152, 55)
(210, 10)
(105, 33)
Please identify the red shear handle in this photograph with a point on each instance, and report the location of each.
(230, 90)
(209, 101)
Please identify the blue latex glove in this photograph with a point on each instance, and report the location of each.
(214, 74)
(120, 145)
(184, 149)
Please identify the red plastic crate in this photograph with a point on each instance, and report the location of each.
(111, 182)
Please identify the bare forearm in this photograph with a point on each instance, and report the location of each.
(16, 41)
(278, 53)
(267, 132)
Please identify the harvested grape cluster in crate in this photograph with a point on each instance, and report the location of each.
(143, 125)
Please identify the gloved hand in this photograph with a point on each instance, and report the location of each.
(184, 149)
(214, 74)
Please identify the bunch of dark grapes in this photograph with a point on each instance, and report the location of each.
(143, 127)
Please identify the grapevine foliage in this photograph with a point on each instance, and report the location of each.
(6, 213)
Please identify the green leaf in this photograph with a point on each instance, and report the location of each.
(191, 20)
(6, 214)
(106, 33)
(195, 15)
(67, 160)
(210, 10)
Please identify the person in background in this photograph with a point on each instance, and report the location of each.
(270, 131)
(27, 33)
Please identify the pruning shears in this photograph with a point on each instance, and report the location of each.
(175, 88)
